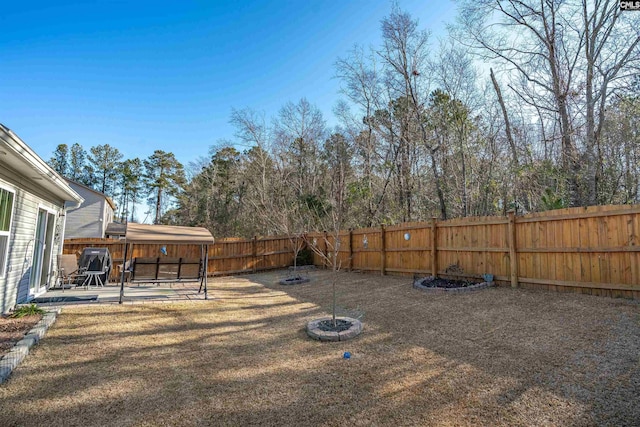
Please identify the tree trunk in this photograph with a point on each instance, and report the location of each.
(507, 124)
(158, 204)
(436, 174)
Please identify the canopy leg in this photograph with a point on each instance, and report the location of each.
(206, 267)
(124, 263)
(201, 269)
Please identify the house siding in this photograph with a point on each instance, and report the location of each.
(14, 284)
(108, 217)
(91, 218)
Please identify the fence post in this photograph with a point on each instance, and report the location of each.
(326, 250)
(434, 247)
(513, 260)
(254, 252)
(351, 249)
(383, 251)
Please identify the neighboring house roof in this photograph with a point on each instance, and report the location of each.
(107, 198)
(24, 161)
(116, 229)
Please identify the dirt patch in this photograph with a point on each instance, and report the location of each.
(13, 330)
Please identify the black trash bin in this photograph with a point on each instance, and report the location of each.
(95, 259)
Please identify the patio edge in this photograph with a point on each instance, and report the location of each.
(16, 355)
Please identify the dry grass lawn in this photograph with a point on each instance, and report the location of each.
(493, 357)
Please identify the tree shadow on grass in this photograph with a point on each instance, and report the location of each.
(475, 359)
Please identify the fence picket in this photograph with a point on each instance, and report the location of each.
(593, 250)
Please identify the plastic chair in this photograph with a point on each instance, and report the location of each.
(68, 270)
(94, 273)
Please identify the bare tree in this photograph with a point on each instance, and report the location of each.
(552, 52)
(331, 214)
(362, 84)
(405, 53)
(272, 196)
(612, 59)
(298, 132)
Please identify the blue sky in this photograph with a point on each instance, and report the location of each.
(142, 75)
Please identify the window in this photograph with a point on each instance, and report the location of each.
(6, 210)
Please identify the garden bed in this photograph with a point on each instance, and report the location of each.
(295, 280)
(439, 284)
(13, 330)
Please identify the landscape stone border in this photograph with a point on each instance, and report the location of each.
(294, 280)
(20, 350)
(314, 331)
(417, 284)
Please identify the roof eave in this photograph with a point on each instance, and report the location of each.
(21, 150)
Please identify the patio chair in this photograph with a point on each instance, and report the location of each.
(127, 270)
(97, 269)
(68, 271)
(95, 264)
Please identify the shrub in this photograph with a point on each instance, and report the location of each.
(27, 310)
(305, 257)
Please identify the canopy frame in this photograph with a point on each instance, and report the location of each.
(163, 234)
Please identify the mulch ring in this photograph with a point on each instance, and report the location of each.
(448, 285)
(323, 329)
(296, 280)
(13, 330)
(341, 325)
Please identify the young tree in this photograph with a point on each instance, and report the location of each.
(330, 214)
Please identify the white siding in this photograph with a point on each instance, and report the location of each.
(14, 284)
(91, 218)
(108, 217)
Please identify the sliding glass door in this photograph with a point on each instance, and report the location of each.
(42, 250)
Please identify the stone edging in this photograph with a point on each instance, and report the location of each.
(20, 350)
(316, 333)
(476, 287)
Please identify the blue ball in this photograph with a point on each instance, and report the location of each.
(346, 355)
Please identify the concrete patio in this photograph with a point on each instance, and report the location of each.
(143, 293)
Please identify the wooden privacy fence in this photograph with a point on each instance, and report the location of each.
(591, 250)
(226, 255)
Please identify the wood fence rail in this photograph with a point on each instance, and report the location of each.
(592, 250)
(226, 255)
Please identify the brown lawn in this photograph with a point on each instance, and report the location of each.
(493, 357)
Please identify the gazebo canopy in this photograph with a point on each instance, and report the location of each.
(160, 234)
